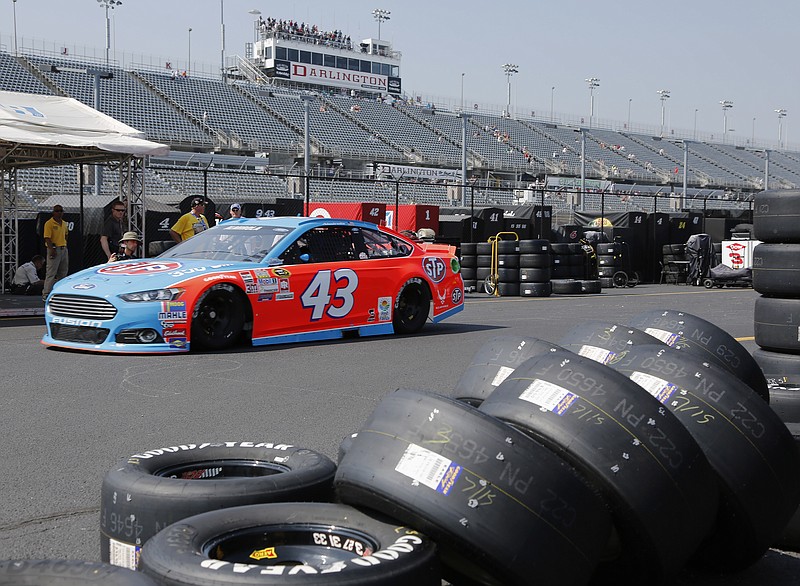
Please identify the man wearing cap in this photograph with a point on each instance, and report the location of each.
(235, 212)
(55, 234)
(128, 247)
(190, 223)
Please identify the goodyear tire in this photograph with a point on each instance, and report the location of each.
(482, 272)
(469, 248)
(776, 216)
(67, 573)
(507, 275)
(535, 289)
(484, 260)
(154, 488)
(507, 246)
(412, 307)
(502, 508)
(508, 261)
(469, 261)
(492, 364)
(748, 446)
(777, 324)
(218, 317)
(606, 282)
(629, 447)
(468, 273)
(559, 248)
(290, 543)
(508, 289)
(697, 336)
(482, 248)
(590, 286)
(344, 446)
(604, 341)
(535, 275)
(566, 286)
(776, 269)
(537, 246)
(780, 369)
(535, 261)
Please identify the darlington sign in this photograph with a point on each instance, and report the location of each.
(408, 172)
(318, 74)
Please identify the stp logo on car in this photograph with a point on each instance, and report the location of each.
(434, 267)
(138, 268)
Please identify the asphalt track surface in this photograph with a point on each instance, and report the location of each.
(68, 417)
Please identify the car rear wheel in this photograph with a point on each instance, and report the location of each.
(218, 318)
(412, 308)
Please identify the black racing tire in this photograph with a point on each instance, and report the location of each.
(776, 216)
(535, 289)
(344, 446)
(508, 261)
(493, 363)
(560, 248)
(633, 279)
(780, 369)
(470, 285)
(154, 488)
(156, 247)
(534, 247)
(708, 283)
(561, 272)
(608, 248)
(68, 573)
(508, 289)
(608, 260)
(469, 261)
(535, 261)
(484, 260)
(702, 338)
(218, 317)
(776, 270)
(606, 271)
(469, 248)
(566, 286)
(482, 272)
(575, 248)
(508, 247)
(590, 286)
(541, 275)
(290, 543)
(777, 324)
(501, 507)
(606, 282)
(412, 307)
(628, 446)
(469, 273)
(507, 275)
(483, 248)
(605, 342)
(748, 446)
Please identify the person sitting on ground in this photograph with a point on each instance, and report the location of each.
(26, 278)
(128, 248)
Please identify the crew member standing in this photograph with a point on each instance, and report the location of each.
(56, 231)
(190, 223)
(113, 229)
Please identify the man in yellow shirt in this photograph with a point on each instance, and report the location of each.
(190, 223)
(56, 231)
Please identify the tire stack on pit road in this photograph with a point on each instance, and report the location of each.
(508, 268)
(568, 268)
(776, 275)
(469, 266)
(535, 268)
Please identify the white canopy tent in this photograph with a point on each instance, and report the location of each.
(43, 130)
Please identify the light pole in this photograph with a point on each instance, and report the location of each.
(629, 113)
(509, 69)
(256, 13)
(462, 92)
(381, 15)
(694, 134)
(726, 105)
(664, 96)
(307, 99)
(753, 135)
(16, 50)
(222, 38)
(593, 83)
(189, 65)
(105, 4)
(781, 112)
(552, 95)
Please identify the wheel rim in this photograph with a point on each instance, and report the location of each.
(217, 320)
(309, 544)
(409, 307)
(216, 469)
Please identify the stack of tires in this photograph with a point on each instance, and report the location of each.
(508, 267)
(609, 262)
(469, 266)
(535, 268)
(776, 275)
(570, 270)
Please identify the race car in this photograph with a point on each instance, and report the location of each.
(265, 281)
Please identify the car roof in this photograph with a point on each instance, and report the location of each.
(301, 222)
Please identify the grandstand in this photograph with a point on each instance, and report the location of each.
(242, 138)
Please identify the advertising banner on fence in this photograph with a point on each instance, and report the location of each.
(388, 171)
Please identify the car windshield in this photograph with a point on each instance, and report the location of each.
(236, 243)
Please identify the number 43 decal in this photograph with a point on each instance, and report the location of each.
(319, 299)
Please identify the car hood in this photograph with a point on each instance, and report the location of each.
(142, 275)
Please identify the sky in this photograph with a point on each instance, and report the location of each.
(702, 51)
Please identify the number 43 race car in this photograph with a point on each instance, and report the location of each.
(265, 281)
